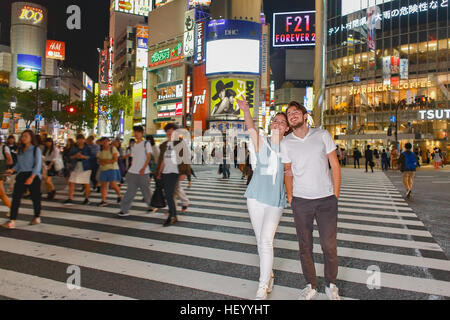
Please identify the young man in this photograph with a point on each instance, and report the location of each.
(138, 176)
(408, 165)
(173, 165)
(356, 156)
(80, 155)
(95, 149)
(313, 195)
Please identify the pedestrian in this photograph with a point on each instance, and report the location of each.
(242, 165)
(312, 194)
(5, 164)
(154, 158)
(28, 168)
(138, 175)
(226, 160)
(12, 145)
(388, 158)
(53, 161)
(266, 195)
(121, 161)
(80, 155)
(384, 160)
(394, 158)
(369, 157)
(356, 156)
(173, 165)
(344, 157)
(408, 165)
(95, 149)
(66, 158)
(376, 156)
(339, 154)
(437, 158)
(131, 143)
(109, 170)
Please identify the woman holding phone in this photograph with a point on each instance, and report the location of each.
(266, 195)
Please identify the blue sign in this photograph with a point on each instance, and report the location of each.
(233, 29)
(142, 43)
(356, 79)
(38, 117)
(392, 119)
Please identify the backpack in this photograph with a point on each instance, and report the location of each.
(410, 161)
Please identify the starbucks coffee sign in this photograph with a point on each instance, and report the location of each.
(438, 114)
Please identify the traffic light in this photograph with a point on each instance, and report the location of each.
(71, 110)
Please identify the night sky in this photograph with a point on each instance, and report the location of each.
(81, 45)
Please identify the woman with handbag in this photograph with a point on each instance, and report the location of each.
(53, 162)
(109, 170)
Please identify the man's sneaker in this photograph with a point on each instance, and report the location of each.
(121, 214)
(262, 292)
(170, 221)
(103, 204)
(86, 201)
(308, 293)
(332, 292)
(69, 202)
(119, 199)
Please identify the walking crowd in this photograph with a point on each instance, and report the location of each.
(292, 166)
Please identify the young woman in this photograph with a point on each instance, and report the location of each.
(109, 170)
(53, 163)
(266, 195)
(28, 168)
(66, 158)
(5, 163)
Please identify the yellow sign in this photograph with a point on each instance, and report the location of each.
(385, 87)
(32, 14)
(225, 92)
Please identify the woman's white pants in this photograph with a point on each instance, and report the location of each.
(265, 221)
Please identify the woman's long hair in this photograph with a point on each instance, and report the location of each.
(21, 146)
(287, 122)
(52, 148)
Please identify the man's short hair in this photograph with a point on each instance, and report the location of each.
(138, 128)
(91, 138)
(297, 106)
(408, 146)
(170, 126)
(80, 136)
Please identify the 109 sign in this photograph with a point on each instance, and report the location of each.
(292, 29)
(34, 15)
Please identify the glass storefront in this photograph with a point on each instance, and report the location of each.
(387, 65)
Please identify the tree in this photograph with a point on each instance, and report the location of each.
(114, 105)
(83, 115)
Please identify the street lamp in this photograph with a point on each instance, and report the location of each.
(12, 107)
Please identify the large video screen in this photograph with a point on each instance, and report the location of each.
(227, 56)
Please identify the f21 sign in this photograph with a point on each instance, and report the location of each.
(293, 29)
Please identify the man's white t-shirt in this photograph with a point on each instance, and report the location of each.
(139, 156)
(309, 158)
(170, 159)
(6, 149)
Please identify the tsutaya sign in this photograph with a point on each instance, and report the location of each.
(382, 87)
(434, 114)
(32, 14)
(423, 6)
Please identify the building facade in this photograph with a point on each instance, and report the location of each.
(388, 71)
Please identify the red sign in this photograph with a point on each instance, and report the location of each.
(179, 110)
(103, 68)
(55, 50)
(188, 95)
(200, 95)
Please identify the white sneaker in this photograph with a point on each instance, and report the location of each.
(308, 293)
(271, 281)
(332, 292)
(261, 294)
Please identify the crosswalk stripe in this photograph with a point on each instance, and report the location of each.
(22, 286)
(217, 234)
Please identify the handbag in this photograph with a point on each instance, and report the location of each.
(58, 164)
(158, 198)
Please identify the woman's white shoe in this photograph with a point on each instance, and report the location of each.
(261, 294)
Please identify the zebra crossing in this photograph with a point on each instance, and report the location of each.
(211, 252)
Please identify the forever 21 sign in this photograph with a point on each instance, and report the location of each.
(292, 29)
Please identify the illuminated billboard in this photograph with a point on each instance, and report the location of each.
(350, 6)
(227, 40)
(137, 7)
(28, 67)
(199, 2)
(293, 29)
(55, 50)
(87, 82)
(225, 92)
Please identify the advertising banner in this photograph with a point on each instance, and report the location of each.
(224, 93)
(28, 67)
(292, 29)
(137, 100)
(189, 28)
(395, 65)
(199, 44)
(170, 92)
(265, 55)
(55, 50)
(87, 82)
(103, 68)
(386, 70)
(167, 55)
(137, 7)
(404, 69)
(227, 40)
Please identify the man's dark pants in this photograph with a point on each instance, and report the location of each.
(170, 181)
(324, 210)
